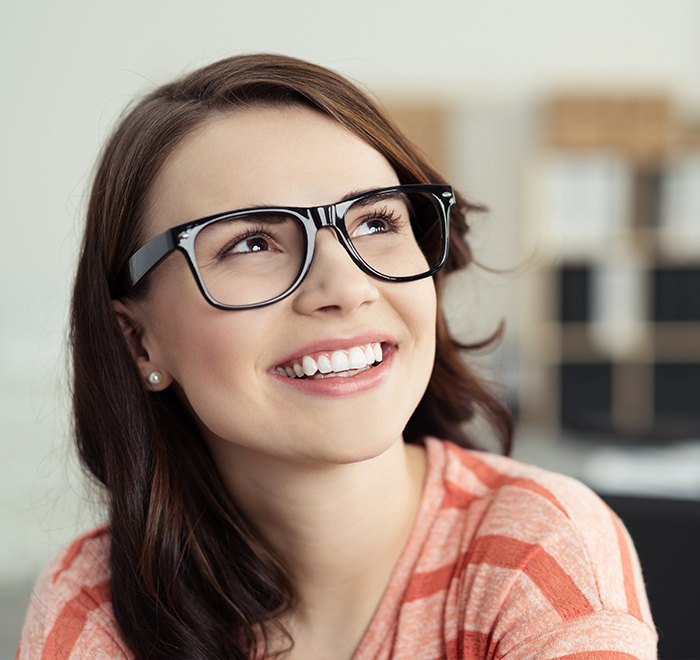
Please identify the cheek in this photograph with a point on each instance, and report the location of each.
(204, 350)
(418, 308)
(214, 364)
(421, 312)
(192, 340)
(429, 329)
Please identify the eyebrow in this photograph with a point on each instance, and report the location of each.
(396, 196)
(357, 193)
(351, 195)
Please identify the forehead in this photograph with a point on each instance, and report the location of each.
(290, 156)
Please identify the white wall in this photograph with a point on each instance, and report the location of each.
(70, 67)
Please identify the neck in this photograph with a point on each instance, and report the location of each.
(338, 529)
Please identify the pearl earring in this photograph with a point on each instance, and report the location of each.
(155, 378)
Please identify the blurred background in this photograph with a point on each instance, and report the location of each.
(576, 123)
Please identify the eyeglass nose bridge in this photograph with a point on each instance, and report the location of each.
(324, 216)
(330, 216)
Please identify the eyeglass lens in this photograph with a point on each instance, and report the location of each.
(256, 257)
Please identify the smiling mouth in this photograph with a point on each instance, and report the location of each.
(333, 364)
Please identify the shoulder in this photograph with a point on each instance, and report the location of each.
(70, 613)
(536, 554)
(529, 500)
(521, 500)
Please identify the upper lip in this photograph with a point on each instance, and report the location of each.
(336, 344)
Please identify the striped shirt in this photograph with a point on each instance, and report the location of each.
(505, 561)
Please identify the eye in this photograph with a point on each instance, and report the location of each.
(255, 240)
(373, 225)
(250, 244)
(379, 221)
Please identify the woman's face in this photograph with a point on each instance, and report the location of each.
(224, 364)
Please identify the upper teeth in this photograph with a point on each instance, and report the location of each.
(357, 357)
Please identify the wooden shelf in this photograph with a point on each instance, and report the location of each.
(677, 342)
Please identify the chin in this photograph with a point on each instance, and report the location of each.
(347, 448)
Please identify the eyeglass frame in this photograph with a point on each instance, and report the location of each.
(313, 218)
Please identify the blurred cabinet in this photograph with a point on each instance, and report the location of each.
(612, 335)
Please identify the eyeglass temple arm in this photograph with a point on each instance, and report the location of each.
(148, 256)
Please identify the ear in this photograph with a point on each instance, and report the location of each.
(155, 378)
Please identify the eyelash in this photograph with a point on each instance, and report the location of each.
(249, 233)
(389, 216)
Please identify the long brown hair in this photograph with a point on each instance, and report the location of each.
(190, 576)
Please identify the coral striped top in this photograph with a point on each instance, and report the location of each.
(505, 561)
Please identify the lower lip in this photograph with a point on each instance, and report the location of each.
(340, 385)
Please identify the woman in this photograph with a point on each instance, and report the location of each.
(259, 361)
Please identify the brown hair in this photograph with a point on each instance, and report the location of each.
(175, 590)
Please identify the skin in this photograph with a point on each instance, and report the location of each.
(307, 466)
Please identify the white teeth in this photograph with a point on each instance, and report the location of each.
(308, 364)
(357, 358)
(324, 364)
(340, 361)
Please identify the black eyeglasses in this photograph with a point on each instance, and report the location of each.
(255, 257)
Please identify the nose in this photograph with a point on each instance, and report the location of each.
(334, 283)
